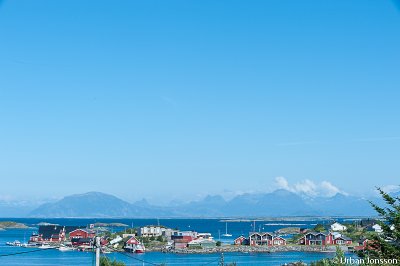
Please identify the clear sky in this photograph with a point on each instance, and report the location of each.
(179, 99)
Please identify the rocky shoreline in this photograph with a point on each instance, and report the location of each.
(244, 249)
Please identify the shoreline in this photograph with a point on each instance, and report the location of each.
(246, 249)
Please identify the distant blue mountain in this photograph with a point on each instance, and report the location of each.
(278, 203)
(84, 205)
(95, 204)
(15, 209)
(341, 205)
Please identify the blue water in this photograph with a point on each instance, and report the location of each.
(213, 226)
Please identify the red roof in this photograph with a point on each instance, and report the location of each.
(133, 241)
(76, 230)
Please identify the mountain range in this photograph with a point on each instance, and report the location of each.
(274, 204)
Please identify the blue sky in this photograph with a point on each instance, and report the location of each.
(178, 99)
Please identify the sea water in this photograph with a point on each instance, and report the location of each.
(213, 226)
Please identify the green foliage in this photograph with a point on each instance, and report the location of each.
(355, 233)
(160, 239)
(218, 243)
(195, 247)
(337, 260)
(380, 246)
(350, 229)
(129, 231)
(295, 239)
(104, 261)
(144, 240)
(319, 228)
(387, 244)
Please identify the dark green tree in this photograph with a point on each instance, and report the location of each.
(387, 244)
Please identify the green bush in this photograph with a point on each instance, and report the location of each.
(104, 261)
(319, 228)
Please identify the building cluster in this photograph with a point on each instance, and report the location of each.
(192, 239)
(73, 235)
(261, 239)
(83, 238)
(324, 238)
(176, 239)
(331, 237)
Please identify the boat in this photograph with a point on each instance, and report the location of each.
(16, 243)
(226, 231)
(139, 248)
(29, 245)
(65, 248)
(45, 246)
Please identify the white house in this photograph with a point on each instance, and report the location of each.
(155, 231)
(147, 231)
(338, 227)
(116, 240)
(377, 228)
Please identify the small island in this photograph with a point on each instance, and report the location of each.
(12, 225)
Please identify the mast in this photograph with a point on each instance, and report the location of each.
(97, 242)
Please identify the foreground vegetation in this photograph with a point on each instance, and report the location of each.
(104, 261)
(381, 247)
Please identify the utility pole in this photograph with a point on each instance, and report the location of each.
(221, 262)
(97, 245)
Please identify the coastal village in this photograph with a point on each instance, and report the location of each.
(350, 237)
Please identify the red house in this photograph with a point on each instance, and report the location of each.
(260, 239)
(131, 244)
(342, 240)
(133, 241)
(49, 233)
(316, 238)
(365, 244)
(181, 243)
(278, 241)
(58, 237)
(239, 241)
(81, 233)
(182, 238)
(35, 237)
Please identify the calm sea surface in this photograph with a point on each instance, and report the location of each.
(213, 226)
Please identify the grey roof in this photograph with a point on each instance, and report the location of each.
(261, 233)
(345, 238)
(316, 233)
